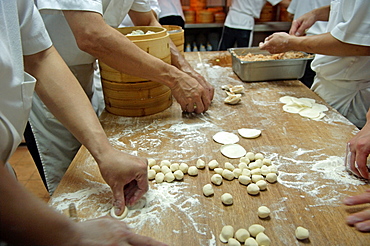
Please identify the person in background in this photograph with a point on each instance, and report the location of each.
(83, 32)
(154, 5)
(299, 8)
(342, 75)
(239, 22)
(171, 13)
(29, 62)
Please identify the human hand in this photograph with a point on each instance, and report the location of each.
(360, 220)
(126, 175)
(108, 231)
(300, 25)
(276, 43)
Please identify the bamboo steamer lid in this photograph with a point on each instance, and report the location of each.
(128, 95)
(177, 36)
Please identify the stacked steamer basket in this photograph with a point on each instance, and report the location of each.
(177, 36)
(128, 95)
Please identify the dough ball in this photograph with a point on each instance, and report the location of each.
(216, 179)
(169, 177)
(174, 167)
(258, 156)
(243, 165)
(271, 177)
(250, 156)
(200, 164)
(151, 174)
(227, 199)
(253, 189)
(250, 242)
(265, 170)
(273, 169)
(229, 166)
(218, 170)
(244, 159)
(119, 217)
(165, 169)
(263, 239)
(159, 177)
(233, 242)
(165, 163)
(193, 171)
(139, 204)
(255, 229)
(242, 234)
(184, 168)
(256, 171)
(262, 184)
(244, 180)
(301, 233)
(226, 233)
(266, 162)
(208, 190)
(228, 175)
(156, 168)
(237, 172)
(151, 162)
(263, 212)
(246, 172)
(256, 178)
(179, 175)
(213, 164)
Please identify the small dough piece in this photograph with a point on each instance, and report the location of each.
(184, 168)
(250, 156)
(174, 167)
(273, 169)
(249, 133)
(263, 239)
(233, 242)
(237, 89)
(151, 174)
(266, 162)
(218, 170)
(237, 172)
(119, 217)
(159, 177)
(258, 156)
(208, 190)
(228, 175)
(301, 233)
(256, 178)
(246, 172)
(226, 233)
(271, 177)
(255, 229)
(253, 189)
(169, 177)
(250, 242)
(229, 166)
(263, 212)
(233, 98)
(227, 199)
(156, 168)
(200, 164)
(244, 159)
(262, 184)
(241, 235)
(226, 138)
(213, 164)
(151, 162)
(165, 163)
(179, 175)
(193, 171)
(216, 179)
(265, 170)
(256, 171)
(243, 165)
(233, 150)
(165, 169)
(244, 180)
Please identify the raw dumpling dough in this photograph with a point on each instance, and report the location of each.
(216, 179)
(226, 138)
(179, 175)
(263, 239)
(255, 229)
(213, 164)
(200, 164)
(301, 233)
(119, 217)
(228, 175)
(169, 177)
(233, 242)
(233, 150)
(208, 190)
(226, 233)
(242, 234)
(227, 199)
(193, 171)
(263, 212)
(249, 133)
(253, 189)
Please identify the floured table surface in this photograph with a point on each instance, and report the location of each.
(309, 155)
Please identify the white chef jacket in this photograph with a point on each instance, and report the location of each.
(242, 13)
(56, 145)
(299, 8)
(170, 7)
(22, 33)
(154, 5)
(344, 82)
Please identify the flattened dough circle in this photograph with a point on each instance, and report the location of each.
(233, 151)
(226, 138)
(249, 133)
(120, 217)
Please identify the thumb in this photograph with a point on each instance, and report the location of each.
(119, 200)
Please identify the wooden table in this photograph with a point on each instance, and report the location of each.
(309, 155)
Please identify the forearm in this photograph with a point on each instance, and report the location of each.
(322, 13)
(25, 220)
(62, 94)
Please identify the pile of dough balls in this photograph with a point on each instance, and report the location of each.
(253, 236)
(234, 93)
(165, 171)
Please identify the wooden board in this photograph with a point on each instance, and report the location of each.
(309, 155)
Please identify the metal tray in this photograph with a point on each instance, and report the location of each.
(249, 71)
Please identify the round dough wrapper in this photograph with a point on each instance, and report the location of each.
(226, 138)
(309, 113)
(292, 108)
(286, 99)
(119, 217)
(233, 151)
(249, 133)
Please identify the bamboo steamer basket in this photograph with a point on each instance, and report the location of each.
(189, 16)
(205, 16)
(128, 95)
(177, 36)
